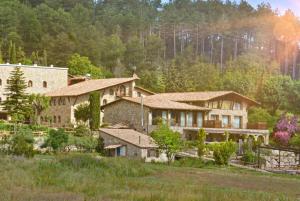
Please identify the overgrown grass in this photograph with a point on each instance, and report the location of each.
(86, 177)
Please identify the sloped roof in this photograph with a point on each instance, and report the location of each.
(131, 136)
(145, 90)
(160, 103)
(199, 96)
(89, 86)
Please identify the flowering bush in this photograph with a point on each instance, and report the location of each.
(282, 137)
(287, 124)
(285, 128)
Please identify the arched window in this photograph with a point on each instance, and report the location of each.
(7, 81)
(59, 119)
(30, 84)
(54, 119)
(122, 90)
(104, 102)
(111, 92)
(45, 85)
(0, 99)
(0, 82)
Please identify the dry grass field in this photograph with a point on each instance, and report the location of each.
(83, 177)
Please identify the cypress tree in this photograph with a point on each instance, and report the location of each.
(94, 110)
(16, 103)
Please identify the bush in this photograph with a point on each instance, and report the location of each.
(223, 151)
(82, 130)
(82, 112)
(100, 145)
(249, 157)
(295, 141)
(86, 143)
(57, 139)
(22, 143)
(256, 115)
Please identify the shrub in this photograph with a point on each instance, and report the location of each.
(57, 139)
(22, 143)
(201, 142)
(86, 143)
(256, 115)
(223, 151)
(295, 141)
(82, 130)
(282, 137)
(249, 157)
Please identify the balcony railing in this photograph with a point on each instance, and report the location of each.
(258, 126)
(212, 124)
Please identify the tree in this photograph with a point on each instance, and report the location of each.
(12, 53)
(100, 145)
(273, 92)
(95, 105)
(39, 104)
(22, 143)
(79, 65)
(201, 142)
(16, 103)
(168, 141)
(113, 51)
(57, 139)
(82, 112)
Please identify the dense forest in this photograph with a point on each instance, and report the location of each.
(182, 45)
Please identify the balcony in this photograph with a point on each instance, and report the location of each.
(212, 124)
(258, 126)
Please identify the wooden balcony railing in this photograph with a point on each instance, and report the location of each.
(258, 125)
(212, 124)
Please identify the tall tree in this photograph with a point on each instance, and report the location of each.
(39, 104)
(16, 103)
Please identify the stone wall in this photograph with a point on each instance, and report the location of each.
(128, 113)
(287, 159)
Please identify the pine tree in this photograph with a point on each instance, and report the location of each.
(16, 103)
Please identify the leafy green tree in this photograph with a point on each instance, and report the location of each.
(257, 114)
(168, 141)
(113, 51)
(79, 65)
(100, 145)
(201, 142)
(95, 106)
(57, 139)
(223, 151)
(82, 112)
(16, 103)
(39, 104)
(134, 54)
(273, 93)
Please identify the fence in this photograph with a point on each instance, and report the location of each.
(278, 157)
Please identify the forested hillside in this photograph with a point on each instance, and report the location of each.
(183, 45)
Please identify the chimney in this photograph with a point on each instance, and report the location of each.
(19, 64)
(88, 76)
(51, 65)
(35, 65)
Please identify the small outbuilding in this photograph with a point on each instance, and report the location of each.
(130, 143)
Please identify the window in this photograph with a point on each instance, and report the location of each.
(63, 100)
(45, 85)
(214, 117)
(182, 119)
(199, 119)
(59, 119)
(104, 102)
(0, 82)
(7, 81)
(54, 119)
(237, 106)
(30, 84)
(237, 122)
(0, 99)
(139, 94)
(227, 105)
(54, 101)
(111, 92)
(225, 121)
(189, 119)
(122, 90)
(164, 116)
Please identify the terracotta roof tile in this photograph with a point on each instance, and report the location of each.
(89, 86)
(198, 96)
(131, 136)
(163, 103)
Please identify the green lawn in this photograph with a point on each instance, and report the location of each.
(82, 177)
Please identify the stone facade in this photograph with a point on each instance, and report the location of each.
(64, 110)
(128, 113)
(40, 79)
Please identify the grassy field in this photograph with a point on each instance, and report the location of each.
(82, 177)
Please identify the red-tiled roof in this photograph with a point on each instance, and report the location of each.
(131, 136)
(89, 86)
(198, 96)
(160, 103)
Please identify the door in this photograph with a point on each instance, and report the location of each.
(199, 119)
(182, 119)
(225, 121)
(189, 119)
(237, 122)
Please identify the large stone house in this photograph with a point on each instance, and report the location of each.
(64, 101)
(216, 112)
(39, 79)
